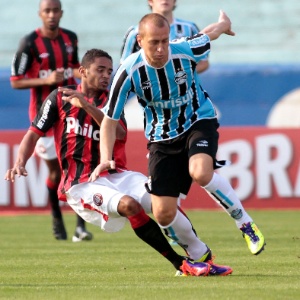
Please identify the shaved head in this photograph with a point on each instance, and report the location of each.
(45, 1)
(154, 19)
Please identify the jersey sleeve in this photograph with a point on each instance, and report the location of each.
(200, 46)
(47, 114)
(118, 95)
(75, 59)
(130, 44)
(22, 59)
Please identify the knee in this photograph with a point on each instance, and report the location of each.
(128, 206)
(165, 216)
(201, 178)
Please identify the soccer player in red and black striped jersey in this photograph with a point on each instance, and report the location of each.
(75, 116)
(48, 58)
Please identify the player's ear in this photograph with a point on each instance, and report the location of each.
(82, 71)
(139, 38)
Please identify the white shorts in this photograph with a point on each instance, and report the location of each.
(97, 202)
(45, 148)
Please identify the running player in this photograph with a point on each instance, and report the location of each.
(48, 58)
(74, 114)
(180, 121)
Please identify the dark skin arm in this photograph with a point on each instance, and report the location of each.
(25, 151)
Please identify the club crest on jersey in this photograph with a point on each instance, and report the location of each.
(180, 77)
(69, 48)
(146, 85)
(98, 199)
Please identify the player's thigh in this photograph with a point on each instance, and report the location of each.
(132, 184)
(97, 203)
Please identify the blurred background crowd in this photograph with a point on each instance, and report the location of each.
(256, 68)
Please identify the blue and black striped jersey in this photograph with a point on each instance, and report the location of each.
(179, 28)
(171, 96)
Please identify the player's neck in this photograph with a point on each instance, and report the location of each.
(167, 15)
(50, 34)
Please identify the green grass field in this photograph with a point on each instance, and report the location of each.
(119, 266)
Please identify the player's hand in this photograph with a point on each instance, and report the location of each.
(17, 170)
(56, 77)
(74, 97)
(224, 19)
(102, 167)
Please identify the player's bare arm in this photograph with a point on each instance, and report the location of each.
(25, 151)
(107, 141)
(223, 26)
(27, 83)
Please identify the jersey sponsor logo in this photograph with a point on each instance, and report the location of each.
(23, 63)
(180, 77)
(84, 130)
(44, 55)
(98, 199)
(172, 103)
(68, 73)
(146, 85)
(44, 116)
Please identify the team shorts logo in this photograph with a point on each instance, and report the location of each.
(202, 143)
(98, 199)
(180, 77)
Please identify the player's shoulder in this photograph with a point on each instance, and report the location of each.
(131, 31)
(178, 21)
(69, 32)
(183, 21)
(30, 37)
(132, 60)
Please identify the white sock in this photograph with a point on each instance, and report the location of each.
(182, 231)
(221, 191)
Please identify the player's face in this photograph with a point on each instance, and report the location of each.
(98, 75)
(155, 43)
(162, 6)
(50, 12)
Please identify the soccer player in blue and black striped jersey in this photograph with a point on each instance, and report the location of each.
(178, 28)
(180, 122)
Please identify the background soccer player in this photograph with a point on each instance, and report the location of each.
(48, 58)
(178, 28)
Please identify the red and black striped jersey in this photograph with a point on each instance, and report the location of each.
(77, 137)
(38, 56)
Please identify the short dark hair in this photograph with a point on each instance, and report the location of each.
(90, 55)
(58, 1)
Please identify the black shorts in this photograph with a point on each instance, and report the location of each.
(168, 166)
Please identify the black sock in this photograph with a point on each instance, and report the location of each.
(151, 233)
(54, 203)
(80, 222)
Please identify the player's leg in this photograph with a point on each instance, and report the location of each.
(202, 153)
(107, 208)
(168, 169)
(45, 149)
(81, 233)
